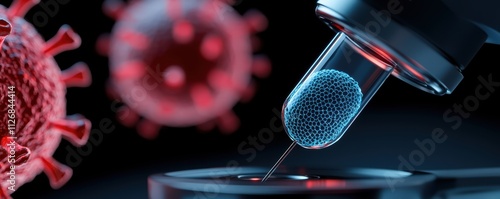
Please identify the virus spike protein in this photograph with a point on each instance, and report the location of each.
(113, 8)
(5, 29)
(20, 7)
(181, 63)
(75, 129)
(32, 92)
(77, 75)
(22, 154)
(65, 39)
(57, 173)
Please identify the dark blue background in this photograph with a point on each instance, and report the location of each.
(397, 115)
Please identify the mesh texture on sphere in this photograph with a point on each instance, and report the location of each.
(321, 107)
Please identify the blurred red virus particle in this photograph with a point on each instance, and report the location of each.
(33, 103)
(182, 63)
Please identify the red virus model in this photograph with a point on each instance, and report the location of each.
(33, 105)
(182, 63)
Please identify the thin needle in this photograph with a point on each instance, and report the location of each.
(279, 162)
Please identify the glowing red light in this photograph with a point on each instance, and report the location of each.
(183, 31)
(311, 184)
(414, 72)
(182, 63)
(32, 80)
(378, 57)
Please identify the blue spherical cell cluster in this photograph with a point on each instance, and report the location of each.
(321, 107)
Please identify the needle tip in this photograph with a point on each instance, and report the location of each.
(275, 166)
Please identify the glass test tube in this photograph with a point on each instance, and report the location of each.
(332, 93)
(355, 73)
